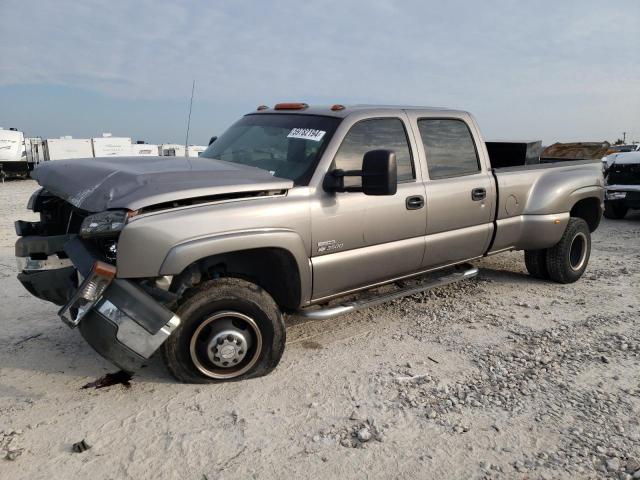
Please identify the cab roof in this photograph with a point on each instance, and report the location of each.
(332, 111)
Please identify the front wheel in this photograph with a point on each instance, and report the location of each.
(230, 329)
(567, 260)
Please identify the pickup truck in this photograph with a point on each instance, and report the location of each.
(294, 210)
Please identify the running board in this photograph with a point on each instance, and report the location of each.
(465, 271)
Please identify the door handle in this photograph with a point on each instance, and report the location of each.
(478, 194)
(415, 203)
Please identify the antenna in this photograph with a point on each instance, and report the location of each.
(186, 140)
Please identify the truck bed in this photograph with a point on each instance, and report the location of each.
(534, 202)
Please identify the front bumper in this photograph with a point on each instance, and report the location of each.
(624, 195)
(124, 323)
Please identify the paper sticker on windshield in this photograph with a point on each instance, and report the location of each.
(306, 134)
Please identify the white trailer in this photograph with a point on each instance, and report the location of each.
(144, 150)
(13, 155)
(171, 150)
(67, 147)
(195, 150)
(108, 146)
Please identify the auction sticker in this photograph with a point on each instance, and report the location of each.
(306, 134)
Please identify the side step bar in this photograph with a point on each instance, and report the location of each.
(464, 272)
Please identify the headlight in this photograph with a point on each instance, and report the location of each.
(104, 224)
(616, 195)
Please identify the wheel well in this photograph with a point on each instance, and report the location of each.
(589, 210)
(274, 269)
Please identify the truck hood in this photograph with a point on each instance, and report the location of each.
(624, 158)
(97, 184)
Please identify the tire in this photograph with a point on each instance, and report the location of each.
(536, 263)
(567, 260)
(614, 212)
(218, 320)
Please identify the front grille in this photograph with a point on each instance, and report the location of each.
(624, 175)
(57, 216)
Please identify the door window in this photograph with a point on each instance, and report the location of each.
(375, 134)
(449, 147)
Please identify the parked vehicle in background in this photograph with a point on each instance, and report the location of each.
(624, 148)
(67, 147)
(171, 150)
(622, 176)
(108, 146)
(144, 150)
(13, 155)
(291, 210)
(195, 150)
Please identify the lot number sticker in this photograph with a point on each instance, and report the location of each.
(306, 134)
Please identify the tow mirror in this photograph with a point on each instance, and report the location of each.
(379, 175)
(212, 139)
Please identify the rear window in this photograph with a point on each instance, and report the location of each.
(449, 148)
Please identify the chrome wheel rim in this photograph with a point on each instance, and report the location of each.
(225, 345)
(578, 251)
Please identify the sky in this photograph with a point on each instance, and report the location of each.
(552, 70)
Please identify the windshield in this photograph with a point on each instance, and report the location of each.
(287, 145)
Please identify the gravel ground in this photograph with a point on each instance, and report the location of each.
(502, 376)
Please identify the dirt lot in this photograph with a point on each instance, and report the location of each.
(500, 377)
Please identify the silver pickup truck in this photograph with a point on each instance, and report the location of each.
(293, 210)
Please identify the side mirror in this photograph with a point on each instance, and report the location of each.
(379, 175)
(212, 139)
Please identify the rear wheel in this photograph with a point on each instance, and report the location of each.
(536, 263)
(230, 329)
(614, 211)
(568, 259)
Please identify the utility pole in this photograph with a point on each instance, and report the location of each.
(624, 137)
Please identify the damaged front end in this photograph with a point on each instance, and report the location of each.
(622, 176)
(69, 258)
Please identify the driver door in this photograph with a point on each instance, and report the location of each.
(357, 239)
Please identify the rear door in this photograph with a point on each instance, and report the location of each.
(460, 190)
(360, 239)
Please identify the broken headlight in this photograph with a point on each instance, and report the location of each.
(104, 224)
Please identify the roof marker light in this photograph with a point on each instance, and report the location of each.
(262, 107)
(337, 107)
(291, 106)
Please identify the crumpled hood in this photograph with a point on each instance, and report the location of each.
(97, 184)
